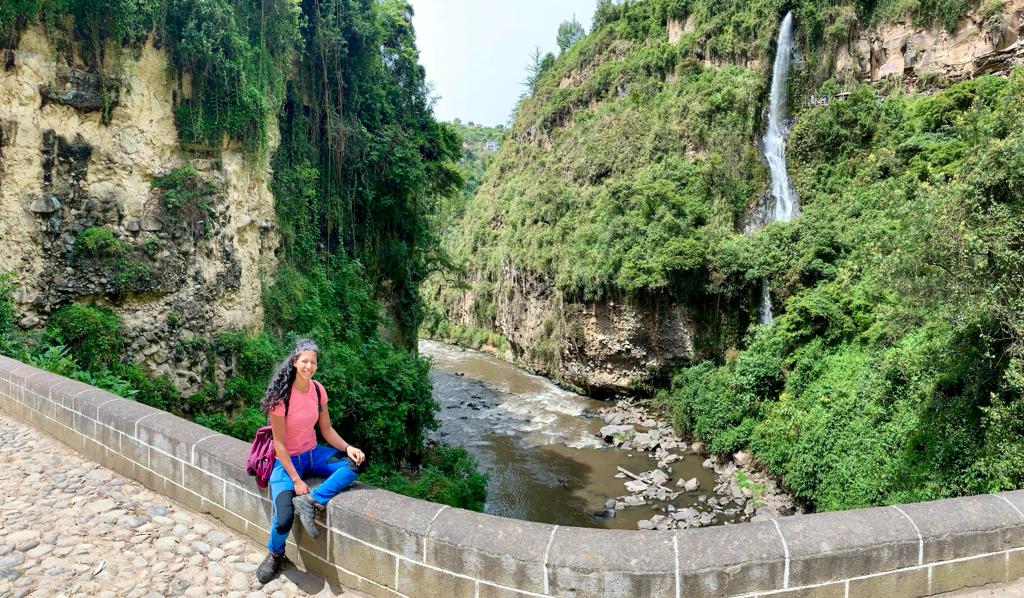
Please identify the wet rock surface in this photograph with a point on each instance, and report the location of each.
(742, 492)
(69, 527)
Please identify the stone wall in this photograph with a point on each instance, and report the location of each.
(79, 151)
(388, 545)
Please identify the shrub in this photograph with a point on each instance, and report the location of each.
(99, 242)
(449, 476)
(91, 333)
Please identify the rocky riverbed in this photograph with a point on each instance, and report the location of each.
(741, 492)
(70, 527)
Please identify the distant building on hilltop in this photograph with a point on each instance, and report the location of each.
(491, 145)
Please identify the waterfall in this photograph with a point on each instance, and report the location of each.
(785, 205)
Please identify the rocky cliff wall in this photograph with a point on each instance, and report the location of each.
(79, 152)
(601, 347)
(984, 42)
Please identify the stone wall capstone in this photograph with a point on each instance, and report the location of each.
(384, 544)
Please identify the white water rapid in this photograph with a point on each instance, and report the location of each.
(785, 204)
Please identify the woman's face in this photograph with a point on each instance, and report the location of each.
(305, 365)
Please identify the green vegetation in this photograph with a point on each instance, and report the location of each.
(186, 199)
(99, 242)
(569, 32)
(90, 332)
(895, 372)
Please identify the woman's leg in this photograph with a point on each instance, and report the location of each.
(340, 472)
(282, 490)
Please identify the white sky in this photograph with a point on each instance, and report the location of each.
(476, 51)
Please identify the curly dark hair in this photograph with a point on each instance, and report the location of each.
(280, 386)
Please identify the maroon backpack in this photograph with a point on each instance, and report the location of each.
(260, 462)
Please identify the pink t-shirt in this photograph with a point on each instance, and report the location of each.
(300, 431)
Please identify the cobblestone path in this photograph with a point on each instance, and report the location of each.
(70, 527)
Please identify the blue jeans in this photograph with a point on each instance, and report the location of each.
(322, 461)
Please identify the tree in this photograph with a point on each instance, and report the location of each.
(535, 69)
(569, 32)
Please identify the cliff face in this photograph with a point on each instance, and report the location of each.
(984, 43)
(79, 156)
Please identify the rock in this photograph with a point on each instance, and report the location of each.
(608, 432)
(691, 485)
(151, 223)
(28, 322)
(636, 486)
(45, 205)
(670, 459)
(132, 225)
(101, 506)
(609, 504)
(158, 511)
(657, 477)
(644, 524)
(178, 586)
(166, 543)
(239, 581)
(642, 440)
(82, 90)
(741, 458)
(697, 448)
(708, 464)
(614, 418)
(12, 560)
(20, 538)
(747, 492)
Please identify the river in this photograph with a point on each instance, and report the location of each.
(538, 443)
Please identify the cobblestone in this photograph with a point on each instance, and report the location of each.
(70, 527)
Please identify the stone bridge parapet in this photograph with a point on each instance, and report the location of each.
(384, 544)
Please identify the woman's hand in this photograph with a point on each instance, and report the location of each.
(355, 454)
(300, 488)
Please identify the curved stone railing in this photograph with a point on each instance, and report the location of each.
(389, 545)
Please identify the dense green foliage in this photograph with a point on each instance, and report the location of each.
(895, 372)
(360, 165)
(89, 332)
(449, 476)
(98, 241)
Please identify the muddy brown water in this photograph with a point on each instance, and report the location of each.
(538, 443)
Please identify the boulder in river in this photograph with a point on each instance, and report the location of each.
(636, 486)
(609, 432)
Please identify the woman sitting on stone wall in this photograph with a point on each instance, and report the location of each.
(295, 402)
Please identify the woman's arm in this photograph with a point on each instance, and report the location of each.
(279, 428)
(332, 438)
